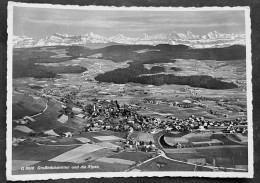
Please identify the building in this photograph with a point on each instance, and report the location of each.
(29, 119)
(186, 101)
(67, 134)
(20, 121)
(51, 133)
(77, 110)
(63, 119)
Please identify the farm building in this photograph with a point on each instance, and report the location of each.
(20, 121)
(95, 129)
(176, 103)
(67, 134)
(77, 110)
(63, 119)
(29, 119)
(51, 133)
(186, 101)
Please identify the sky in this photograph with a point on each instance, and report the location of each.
(42, 22)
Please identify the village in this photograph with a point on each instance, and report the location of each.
(96, 114)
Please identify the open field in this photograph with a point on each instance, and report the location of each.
(115, 160)
(48, 120)
(109, 145)
(107, 138)
(227, 70)
(104, 152)
(18, 133)
(133, 156)
(75, 153)
(24, 105)
(33, 152)
(146, 137)
(99, 137)
(162, 164)
(23, 129)
(224, 156)
(17, 164)
(108, 167)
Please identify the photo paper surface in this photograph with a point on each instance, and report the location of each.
(97, 91)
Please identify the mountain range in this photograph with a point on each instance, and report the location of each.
(210, 40)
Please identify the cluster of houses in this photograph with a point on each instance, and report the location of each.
(201, 124)
(25, 120)
(133, 145)
(103, 114)
(185, 103)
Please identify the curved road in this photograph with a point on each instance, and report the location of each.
(46, 107)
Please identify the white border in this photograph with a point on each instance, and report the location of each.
(9, 175)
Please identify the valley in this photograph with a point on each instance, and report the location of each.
(129, 108)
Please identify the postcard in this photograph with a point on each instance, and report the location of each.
(100, 91)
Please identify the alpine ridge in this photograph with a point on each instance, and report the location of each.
(210, 40)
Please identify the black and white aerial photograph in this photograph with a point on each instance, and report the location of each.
(115, 91)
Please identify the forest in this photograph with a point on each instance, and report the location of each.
(133, 72)
(200, 81)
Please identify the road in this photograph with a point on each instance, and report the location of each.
(193, 149)
(46, 107)
(56, 145)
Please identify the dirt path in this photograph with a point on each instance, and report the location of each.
(142, 163)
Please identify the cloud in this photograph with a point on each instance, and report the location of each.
(77, 23)
(48, 21)
(207, 25)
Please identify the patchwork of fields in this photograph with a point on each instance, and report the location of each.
(46, 145)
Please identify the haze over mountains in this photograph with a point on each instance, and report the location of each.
(210, 40)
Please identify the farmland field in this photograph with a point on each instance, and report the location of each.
(133, 156)
(38, 153)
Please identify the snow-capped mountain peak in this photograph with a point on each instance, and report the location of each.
(211, 39)
(62, 35)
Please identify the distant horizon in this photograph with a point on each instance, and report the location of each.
(42, 22)
(142, 36)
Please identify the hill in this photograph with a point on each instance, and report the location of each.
(120, 53)
(25, 59)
